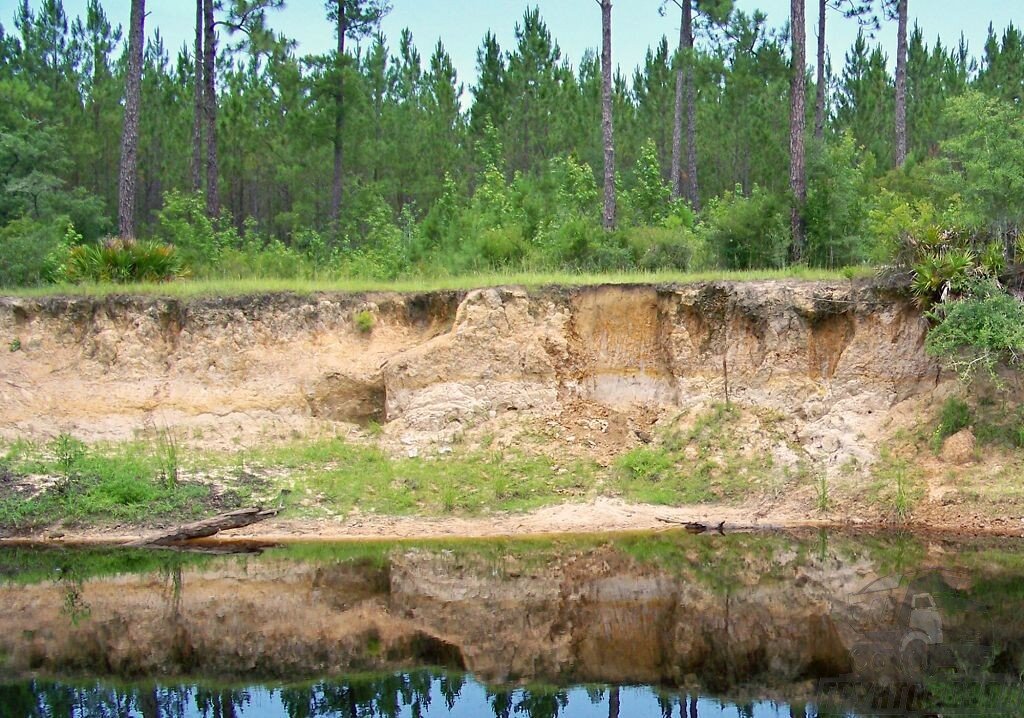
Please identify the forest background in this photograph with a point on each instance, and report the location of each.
(377, 161)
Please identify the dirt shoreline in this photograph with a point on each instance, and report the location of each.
(601, 516)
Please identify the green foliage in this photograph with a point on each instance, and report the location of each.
(836, 211)
(980, 332)
(956, 415)
(183, 223)
(121, 483)
(364, 321)
(15, 345)
(746, 232)
(985, 151)
(68, 453)
(122, 261)
(670, 247)
(897, 486)
(437, 183)
(822, 500)
(27, 247)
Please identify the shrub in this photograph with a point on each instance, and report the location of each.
(199, 240)
(25, 250)
(956, 416)
(835, 211)
(747, 232)
(978, 332)
(364, 321)
(664, 248)
(122, 261)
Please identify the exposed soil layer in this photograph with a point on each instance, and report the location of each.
(828, 379)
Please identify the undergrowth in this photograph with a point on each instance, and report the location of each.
(123, 483)
(703, 464)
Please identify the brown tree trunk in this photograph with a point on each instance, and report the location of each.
(607, 124)
(901, 83)
(819, 98)
(677, 124)
(130, 135)
(690, 98)
(197, 115)
(210, 107)
(338, 187)
(797, 125)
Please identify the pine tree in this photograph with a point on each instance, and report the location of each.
(897, 10)
(858, 9)
(797, 124)
(130, 136)
(353, 19)
(210, 109)
(684, 181)
(199, 104)
(607, 115)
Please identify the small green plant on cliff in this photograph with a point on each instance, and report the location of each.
(167, 456)
(955, 416)
(15, 345)
(897, 486)
(364, 321)
(68, 453)
(823, 501)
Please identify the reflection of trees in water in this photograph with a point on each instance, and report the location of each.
(384, 696)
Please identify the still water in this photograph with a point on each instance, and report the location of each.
(656, 625)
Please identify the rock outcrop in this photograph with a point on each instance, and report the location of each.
(836, 360)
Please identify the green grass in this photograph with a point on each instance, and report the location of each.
(123, 483)
(240, 287)
(347, 476)
(705, 464)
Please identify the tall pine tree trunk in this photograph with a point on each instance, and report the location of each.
(210, 110)
(819, 98)
(130, 134)
(684, 183)
(901, 83)
(197, 114)
(339, 121)
(607, 124)
(690, 91)
(680, 106)
(797, 125)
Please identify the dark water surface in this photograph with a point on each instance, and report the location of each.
(650, 625)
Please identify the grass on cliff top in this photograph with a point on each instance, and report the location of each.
(240, 287)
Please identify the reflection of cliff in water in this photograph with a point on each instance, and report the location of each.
(671, 610)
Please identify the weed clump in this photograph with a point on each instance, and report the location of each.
(955, 416)
(364, 321)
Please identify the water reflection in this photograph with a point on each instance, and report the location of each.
(418, 694)
(712, 625)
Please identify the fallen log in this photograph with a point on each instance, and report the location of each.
(692, 527)
(207, 527)
(695, 527)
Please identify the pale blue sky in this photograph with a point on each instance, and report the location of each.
(575, 24)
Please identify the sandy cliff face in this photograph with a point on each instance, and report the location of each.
(838, 362)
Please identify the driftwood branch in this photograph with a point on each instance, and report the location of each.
(207, 527)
